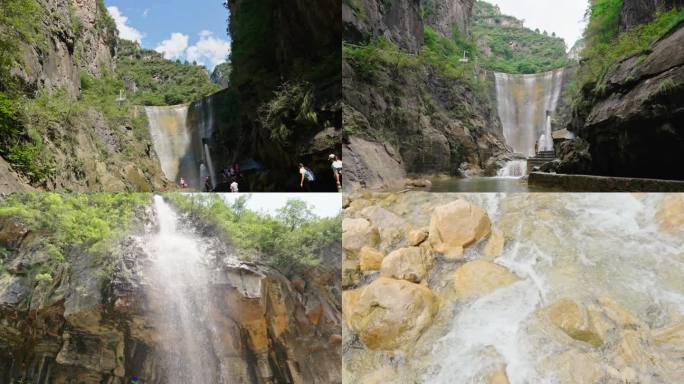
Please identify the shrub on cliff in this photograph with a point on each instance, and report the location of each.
(605, 45)
(293, 240)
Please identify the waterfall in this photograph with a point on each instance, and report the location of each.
(182, 300)
(173, 142)
(522, 103)
(514, 168)
(182, 142)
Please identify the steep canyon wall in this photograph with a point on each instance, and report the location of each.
(94, 321)
(286, 81)
(633, 127)
(411, 119)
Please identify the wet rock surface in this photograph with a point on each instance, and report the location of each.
(92, 321)
(539, 298)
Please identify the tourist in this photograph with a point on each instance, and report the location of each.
(207, 184)
(182, 183)
(234, 186)
(337, 170)
(306, 178)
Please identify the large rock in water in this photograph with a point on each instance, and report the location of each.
(456, 225)
(635, 128)
(388, 314)
(412, 264)
(574, 320)
(478, 278)
(670, 214)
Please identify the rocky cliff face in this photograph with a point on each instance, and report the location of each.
(637, 12)
(445, 16)
(634, 128)
(405, 120)
(76, 38)
(91, 322)
(398, 21)
(286, 60)
(87, 150)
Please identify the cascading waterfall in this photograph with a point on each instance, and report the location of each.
(181, 297)
(525, 104)
(608, 247)
(513, 168)
(206, 130)
(182, 142)
(173, 142)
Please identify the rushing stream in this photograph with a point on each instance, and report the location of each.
(608, 252)
(181, 278)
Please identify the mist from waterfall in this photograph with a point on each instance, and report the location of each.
(181, 298)
(522, 103)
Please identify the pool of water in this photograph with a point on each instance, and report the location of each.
(486, 184)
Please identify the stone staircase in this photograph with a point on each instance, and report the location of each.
(540, 159)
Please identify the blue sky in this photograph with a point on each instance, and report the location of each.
(193, 30)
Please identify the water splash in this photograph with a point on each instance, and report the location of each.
(181, 297)
(582, 246)
(523, 102)
(513, 168)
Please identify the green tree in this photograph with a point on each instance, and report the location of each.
(240, 205)
(295, 213)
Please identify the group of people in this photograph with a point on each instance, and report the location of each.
(231, 174)
(307, 177)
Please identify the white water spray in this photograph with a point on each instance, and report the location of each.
(181, 298)
(581, 246)
(514, 168)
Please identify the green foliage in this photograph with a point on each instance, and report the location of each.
(513, 48)
(605, 46)
(161, 81)
(292, 240)
(666, 86)
(295, 213)
(19, 23)
(292, 107)
(73, 222)
(106, 24)
(45, 276)
(441, 53)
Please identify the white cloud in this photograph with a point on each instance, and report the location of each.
(125, 31)
(209, 50)
(174, 47)
(146, 12)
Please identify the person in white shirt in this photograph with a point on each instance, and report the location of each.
(234, 186)
(337, 170)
